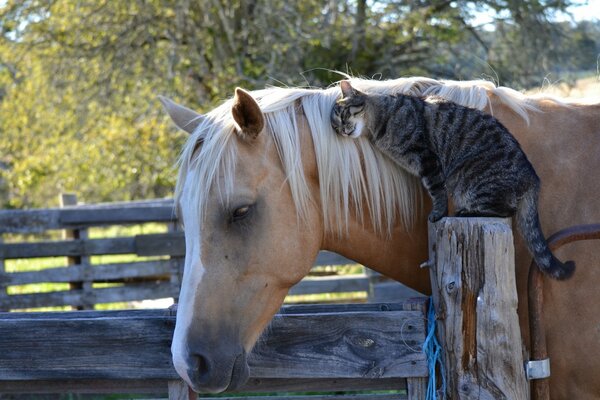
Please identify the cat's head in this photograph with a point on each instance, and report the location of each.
(348, 113)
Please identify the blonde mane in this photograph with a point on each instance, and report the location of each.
(353, 175)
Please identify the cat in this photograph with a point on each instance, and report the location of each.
(457, 151)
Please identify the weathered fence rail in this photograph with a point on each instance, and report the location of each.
(325, 347)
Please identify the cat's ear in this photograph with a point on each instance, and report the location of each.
(348, 90)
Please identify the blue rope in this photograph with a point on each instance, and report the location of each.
(433, 351)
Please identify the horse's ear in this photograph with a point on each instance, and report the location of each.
(348, 90)
(247, 114)
(185, 119)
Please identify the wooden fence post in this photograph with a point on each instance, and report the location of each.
(86, 302)
(475, 299)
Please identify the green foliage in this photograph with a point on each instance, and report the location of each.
(78, 80)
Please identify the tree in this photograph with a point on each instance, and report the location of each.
(78, 80)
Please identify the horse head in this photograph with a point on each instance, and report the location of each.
(245, 245)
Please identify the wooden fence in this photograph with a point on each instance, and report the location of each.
(308, 348)
(327, 347)
(153, 268)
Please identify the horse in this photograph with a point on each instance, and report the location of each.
(264, 184)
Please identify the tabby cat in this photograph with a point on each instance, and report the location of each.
(456, 151)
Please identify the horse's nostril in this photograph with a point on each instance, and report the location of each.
(206, 374)
(203, 366)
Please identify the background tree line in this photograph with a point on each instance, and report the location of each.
(79, 79)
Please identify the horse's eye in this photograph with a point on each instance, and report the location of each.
(240, 213)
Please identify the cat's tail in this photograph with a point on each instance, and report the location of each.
(529, 225)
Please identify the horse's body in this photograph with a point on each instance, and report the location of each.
(308, 189)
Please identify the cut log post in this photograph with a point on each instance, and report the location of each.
(475, 299)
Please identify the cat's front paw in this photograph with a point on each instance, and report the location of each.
(436, 215)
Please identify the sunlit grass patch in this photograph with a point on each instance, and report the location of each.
(34, 264)
(37, 288)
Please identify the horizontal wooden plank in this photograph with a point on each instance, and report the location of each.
(299, 384)
(128, 292)
(330, 284)
(367, 345)
(165, 202)
(95, 273)
(100, 386)
(40, 220)
(143, 245)
(341, 345)
(359, 396)
(172, 243)
(74, 217)
(69, 248)
(414, 304)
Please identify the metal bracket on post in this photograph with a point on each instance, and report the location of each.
(537, 369)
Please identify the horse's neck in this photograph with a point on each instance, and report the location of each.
(397, 256)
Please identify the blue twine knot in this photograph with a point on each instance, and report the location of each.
(433, 352)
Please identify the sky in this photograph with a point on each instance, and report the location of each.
(589, 11)
(585, 10)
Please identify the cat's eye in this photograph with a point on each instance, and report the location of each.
(240, 212)
(355, 110)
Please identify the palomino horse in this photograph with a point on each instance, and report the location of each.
(264, 184)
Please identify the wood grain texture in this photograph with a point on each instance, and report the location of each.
(136, 346)
(474, 290)
(349, 345)
(99, 386)
(417, 388)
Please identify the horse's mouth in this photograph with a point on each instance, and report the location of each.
(239, 373)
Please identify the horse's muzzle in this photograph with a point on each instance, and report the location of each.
(210, 375)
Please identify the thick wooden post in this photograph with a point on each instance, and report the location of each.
(475, 299)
